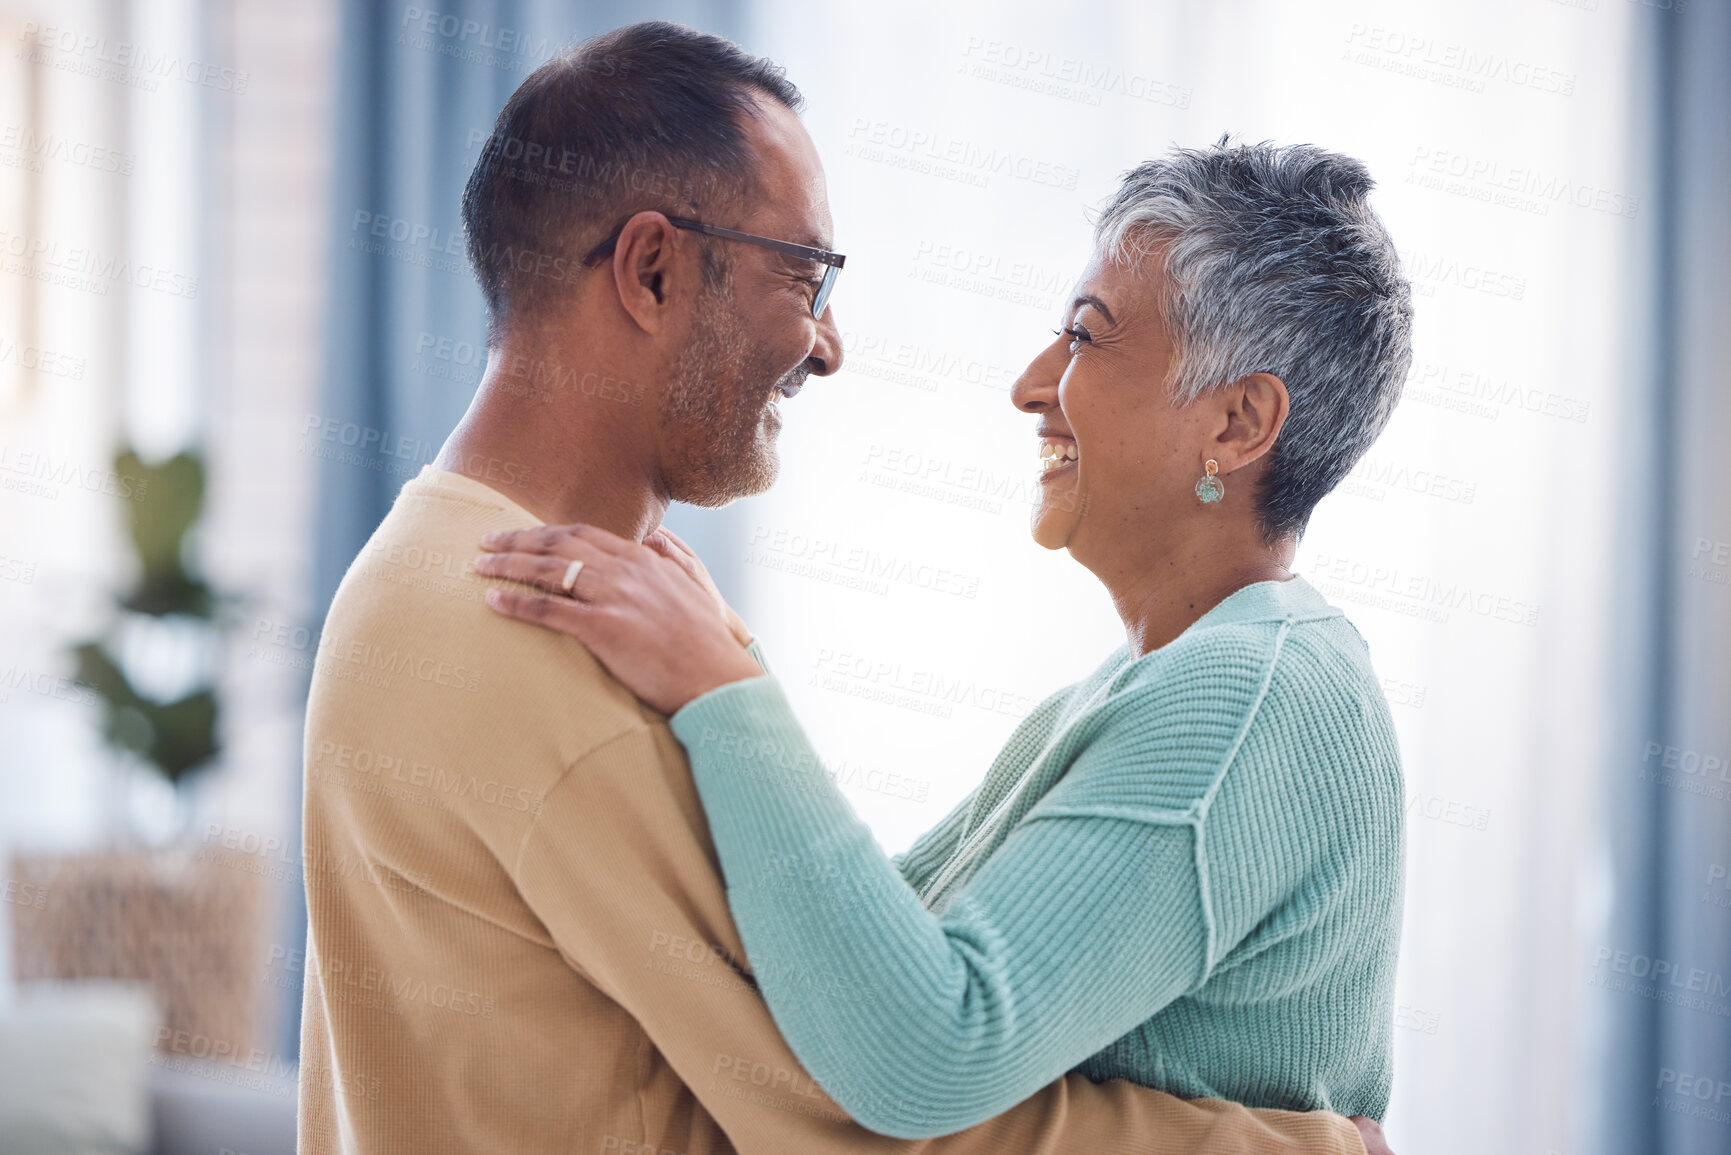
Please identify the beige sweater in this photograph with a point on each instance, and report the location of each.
(519, 937)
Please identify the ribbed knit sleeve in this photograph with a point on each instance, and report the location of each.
(926, 856)
(919, 861)
(1074, 932)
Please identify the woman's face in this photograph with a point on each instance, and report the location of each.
(1124, 459)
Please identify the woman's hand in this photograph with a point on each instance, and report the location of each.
(666, 543)
(1375, 1143)
(648, 612)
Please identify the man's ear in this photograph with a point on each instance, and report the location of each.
(1255, 409)
(644, 268)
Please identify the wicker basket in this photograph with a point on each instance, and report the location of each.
(193, 930)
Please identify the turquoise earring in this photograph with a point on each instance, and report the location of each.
(1210, 489)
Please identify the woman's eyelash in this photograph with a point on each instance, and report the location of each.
(1077, 334)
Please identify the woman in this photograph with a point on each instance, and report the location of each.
(1184, 870)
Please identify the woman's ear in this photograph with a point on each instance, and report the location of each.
(1255, 411)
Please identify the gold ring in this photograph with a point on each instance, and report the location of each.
(570, 576)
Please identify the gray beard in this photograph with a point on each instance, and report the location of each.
(712, 413)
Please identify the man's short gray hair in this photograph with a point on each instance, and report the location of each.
(1275, 263)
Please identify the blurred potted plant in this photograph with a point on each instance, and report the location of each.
(154, 907)
(169, 608)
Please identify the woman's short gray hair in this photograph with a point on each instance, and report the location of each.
(1275, 263)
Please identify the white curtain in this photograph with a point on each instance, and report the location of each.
(221, 188)
(912, 619)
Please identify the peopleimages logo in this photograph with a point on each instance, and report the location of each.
(926, 366)
(85, 269)
(473, 41)
(1544, 188)
(42, 475)
(1065, 77)
(808, 555)
(1700, 1096)
(35, 146)
(36, 359)
(1417, 595)
(1427, 58)
(1479, 393)
(1427, 271)
(936, 153)
(1663, 979)
(375, 664)
(122, 61)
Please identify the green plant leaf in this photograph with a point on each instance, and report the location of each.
(100, 672)
(170, 499)
(166, 501)
(184, 734)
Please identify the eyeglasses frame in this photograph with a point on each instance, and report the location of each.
(832, 262)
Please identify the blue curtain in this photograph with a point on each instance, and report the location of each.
(419, 88)
(1668, 1078)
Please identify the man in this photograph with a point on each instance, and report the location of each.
(519, 935)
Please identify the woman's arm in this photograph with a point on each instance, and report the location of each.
(1076, 930)
(655, 625)
(926, 856)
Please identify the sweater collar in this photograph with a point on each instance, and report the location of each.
(1271, 601)
(1293, 599)
(433, 480)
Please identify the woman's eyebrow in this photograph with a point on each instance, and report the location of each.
(1098, 304)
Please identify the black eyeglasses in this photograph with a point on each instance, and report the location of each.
(832, 262)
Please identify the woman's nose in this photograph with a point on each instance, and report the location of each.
(1036, 390)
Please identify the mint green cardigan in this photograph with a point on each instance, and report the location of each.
(1184, 871)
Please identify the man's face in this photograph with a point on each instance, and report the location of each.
(753, 340)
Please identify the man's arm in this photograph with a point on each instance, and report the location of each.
(621, 870)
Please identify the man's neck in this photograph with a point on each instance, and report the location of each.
(558, 443)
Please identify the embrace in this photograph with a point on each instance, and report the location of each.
(611, 902)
